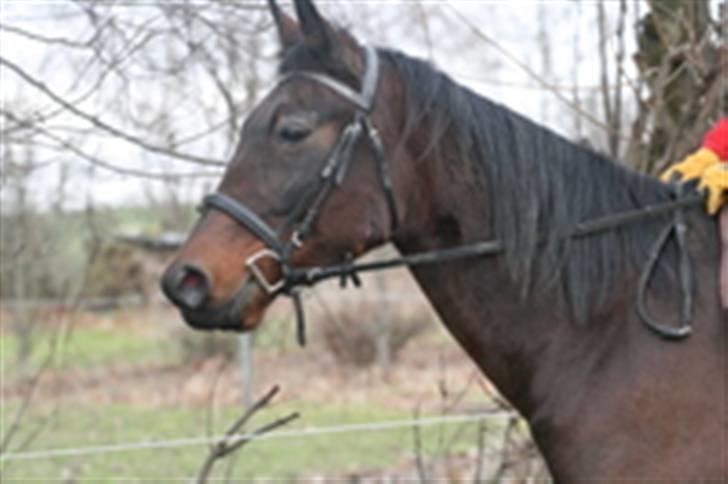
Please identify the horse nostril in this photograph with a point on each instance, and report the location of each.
(187, 286)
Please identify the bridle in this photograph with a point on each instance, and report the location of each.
(331, 176)
(335, 169)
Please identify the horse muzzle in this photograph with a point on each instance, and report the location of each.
(188, 288)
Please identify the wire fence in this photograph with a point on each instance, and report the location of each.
(82, 449)
(129, 301)
(297, 433)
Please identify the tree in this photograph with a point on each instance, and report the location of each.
(683, 63)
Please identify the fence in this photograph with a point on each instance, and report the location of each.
(73, 454)
(207, 440)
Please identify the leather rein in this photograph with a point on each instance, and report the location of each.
(334, 172)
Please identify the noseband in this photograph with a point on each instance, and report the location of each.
(331, 176)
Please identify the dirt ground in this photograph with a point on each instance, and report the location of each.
(311, 374)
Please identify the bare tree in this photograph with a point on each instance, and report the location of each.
(683, 62)
(139, 76)
(27, 246)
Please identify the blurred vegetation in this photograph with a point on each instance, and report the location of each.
(364, 342)
(195, 345)
(58, 259)
(77, 241)
(96, 347)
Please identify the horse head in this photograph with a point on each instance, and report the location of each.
(309, 183)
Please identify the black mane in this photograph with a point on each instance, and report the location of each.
(540, 185)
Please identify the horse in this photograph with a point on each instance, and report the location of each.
(357, 146)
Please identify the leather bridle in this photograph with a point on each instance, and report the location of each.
(280, 249)
(331, 176)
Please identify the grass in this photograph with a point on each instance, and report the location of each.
(278, 458)
(90, 348)
(140, 342)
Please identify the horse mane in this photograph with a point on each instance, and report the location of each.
(540, 185)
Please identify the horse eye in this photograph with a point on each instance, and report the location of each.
(293, 132)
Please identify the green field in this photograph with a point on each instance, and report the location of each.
(89, 348)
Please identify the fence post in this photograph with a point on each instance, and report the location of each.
(246, 342)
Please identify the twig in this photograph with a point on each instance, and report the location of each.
(66, 42)
(421, 470)
(483, 36)
(233, 440)
(25, 405)
(66, 145)
(478, 476)
(51, 358)
(604, 70)
(102, 125)
(506, 461)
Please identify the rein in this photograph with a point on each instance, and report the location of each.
(335, 170)
(308, 276)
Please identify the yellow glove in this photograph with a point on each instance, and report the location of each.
(715, 182)
(691, 167)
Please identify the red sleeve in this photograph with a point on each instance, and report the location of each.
(716, 140)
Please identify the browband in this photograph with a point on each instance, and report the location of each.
(364, 99)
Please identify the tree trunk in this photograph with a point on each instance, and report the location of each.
(680, 62)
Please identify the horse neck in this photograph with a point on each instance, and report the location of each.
(522, 345)
(473, 298)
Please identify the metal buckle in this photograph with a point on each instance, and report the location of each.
(270, 287)
(296, 239)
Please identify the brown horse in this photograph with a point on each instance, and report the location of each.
(356, 147)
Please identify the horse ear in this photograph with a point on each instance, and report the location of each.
(315, 29)
(318, 32)
(289, 32)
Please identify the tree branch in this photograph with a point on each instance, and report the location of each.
(233, 440)
(66, 145)
(86, 44)
(479, 33)
(102, 125)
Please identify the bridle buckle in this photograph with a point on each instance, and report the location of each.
(250, 263)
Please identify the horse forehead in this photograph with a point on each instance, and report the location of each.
(265, 109)
(290, 93)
